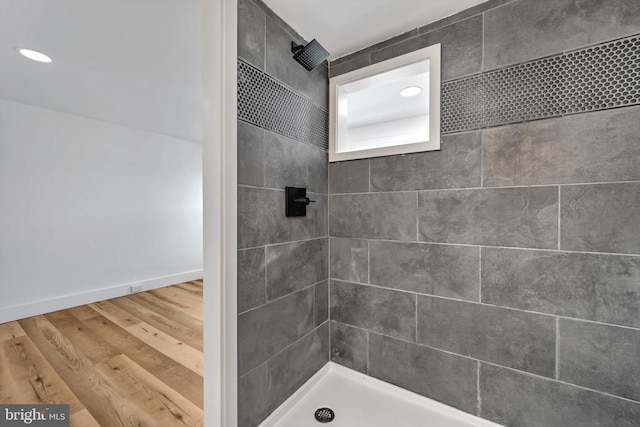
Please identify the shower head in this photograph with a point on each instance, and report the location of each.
(310, 55)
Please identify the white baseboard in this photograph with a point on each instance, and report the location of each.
(15, 312)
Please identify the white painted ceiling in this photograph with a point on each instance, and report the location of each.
(137, 63)
(134, 63)
(346, 26)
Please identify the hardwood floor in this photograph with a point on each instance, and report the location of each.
(130, 361)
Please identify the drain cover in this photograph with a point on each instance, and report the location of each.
(324, 415)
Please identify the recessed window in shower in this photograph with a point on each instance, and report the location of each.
(391, 107)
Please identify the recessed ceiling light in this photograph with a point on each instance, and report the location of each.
(411, 91)
(33, 54)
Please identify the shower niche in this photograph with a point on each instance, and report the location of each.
(391, 107)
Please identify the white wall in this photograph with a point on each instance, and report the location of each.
(88, 207)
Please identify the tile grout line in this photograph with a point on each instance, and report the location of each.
(469, 245)
(542, 377)
(416, 318)
(306, 288)
(271, 245)
(501, 187)
(266, 374)
(282, 350)
(253, 369)
(368, 262)
(482, 65)
(266, 279)
(328, 265)
(478, 396)
(480, 362)
(486, 362)
(480, 274)
(329, 346)
(367, 334)
(263, 155)
(540, 58)
(559, 207)
(264, 60)
(314, 303)
(417, 217)
(482, 159)
(329, 317)
(438, 25)
(369, 179)
(560, 53)
(557, 376)
(552, 315)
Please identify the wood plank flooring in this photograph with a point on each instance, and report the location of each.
(130, 361)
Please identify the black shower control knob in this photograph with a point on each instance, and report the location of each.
(305, 200)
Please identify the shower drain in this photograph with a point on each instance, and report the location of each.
(324, 415)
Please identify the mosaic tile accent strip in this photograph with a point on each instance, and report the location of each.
(461, 104)
(524, 92)
(265, 102)
(591, 79)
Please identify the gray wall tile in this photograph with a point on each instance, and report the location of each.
(362, 57)
(450, 271)
(600, 357)
(293, 266)
(595, 147)
(393, 40)
(257, 216)
(461, 47)
(253, 406)
(604, 288)
(520, 340)
(318, 164)
(292, 367)
(265, 159)
(261, 218)
(349, 259)
(378, 216)
(601, 218)
(264, 331)
(379, 310)
(251, 33)
(251, 278)
(562, 151)
(445, 377)
(294, 164)
(521, 217)
(319, 211)
(513, 398)
(356, 62)
(250, 155)
(278, 20)
(523, 30)
(321, 302)
(456, 165)
(464, 14)
(349, 346)
(349, 177)
(281, 65)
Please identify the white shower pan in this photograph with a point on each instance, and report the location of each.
(362, 401)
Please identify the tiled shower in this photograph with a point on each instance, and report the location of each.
(499, 275)
(283, 329)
